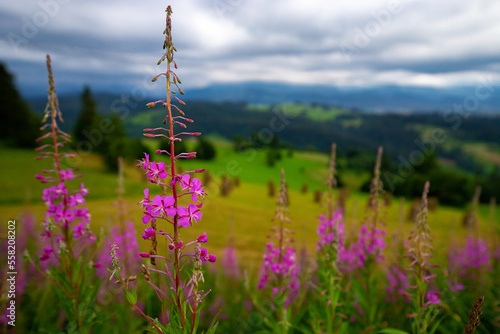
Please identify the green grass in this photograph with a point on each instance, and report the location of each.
(245, 216)
(315, 113)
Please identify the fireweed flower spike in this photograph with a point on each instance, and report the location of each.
(166, 217)
(331, 243)
(66, 223)
(123, 235)
(419, 252)
(279, 270)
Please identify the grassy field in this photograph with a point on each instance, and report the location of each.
(245, 215)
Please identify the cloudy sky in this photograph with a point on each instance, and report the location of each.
(114, 45)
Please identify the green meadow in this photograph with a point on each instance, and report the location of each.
(244, 217)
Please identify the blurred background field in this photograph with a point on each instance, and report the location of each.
(244, 215)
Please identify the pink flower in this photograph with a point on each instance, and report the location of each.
(66, 216)
(157, 170)
(79, 230)
(203, 238)
(432, 299)
(163, 206)
(47, 251)
(188, 215)
(146, 199)
(211, 258)
(82, 214)
(185, 181)
(83, 190)
(149, 233)
(148, 216)
(145, 161)
(66, 175)
(77, 199)
(197, 190)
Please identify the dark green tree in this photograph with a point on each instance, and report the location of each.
(19, 126)
(205, 150)
(88, 119)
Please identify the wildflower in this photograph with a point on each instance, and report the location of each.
(163, 206)
(188, 215)
(432, 299)
(471, 261)
(148, 233)
(47, 251)
(419, 253)
(279, 268)
(202, 238)
(398, 284)
(167, 207)
(79, 230)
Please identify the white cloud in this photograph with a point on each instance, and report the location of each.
(435, 43)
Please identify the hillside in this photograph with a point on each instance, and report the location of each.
(467, 142)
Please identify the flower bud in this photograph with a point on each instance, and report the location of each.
(202, 238)
(150, 105)
(144, 255)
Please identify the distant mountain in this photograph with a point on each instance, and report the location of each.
(401, 99)
(379, 99)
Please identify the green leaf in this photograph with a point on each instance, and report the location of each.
(131, 296)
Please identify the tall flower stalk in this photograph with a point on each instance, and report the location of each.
(420, 250)
(325, 318)
(173, 286)
(359, 259)
(279, 271)
(122, 233)
(66, 223)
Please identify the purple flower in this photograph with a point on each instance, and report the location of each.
(187, 216)
(230, 263)
(432, 299)
(157, 170)
(398, 284)
(146, 199)
(66, 175)
(370, 244)
(149, 233)
(185, 181)
(78, 230)
(65, 216)
(47, 251)
(197, 190)
(144, 163)
(472, 260)
(148, 216)
(274, 266)
(163, 206)
(83, 190)
(328, 229)
(202, 238)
